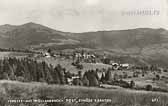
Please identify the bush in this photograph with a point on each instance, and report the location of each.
(157, 77)
(165, 70)
(80, 66)
(160, 89)
(21, 79)
(148, 87)
(77, 82)
(123, 84)
(125, 75)
(132, 84)
(135, 74)
(129, 76)
(108, 76)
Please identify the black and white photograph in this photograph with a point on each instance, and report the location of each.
(83, 52)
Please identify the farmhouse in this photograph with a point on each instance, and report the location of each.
(125, 66)
(47, 55)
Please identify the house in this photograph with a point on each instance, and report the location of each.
(125, 66)
(70, 80)
(115, 66)
(47, 55)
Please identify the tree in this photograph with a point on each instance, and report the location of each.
(5, 76)
(102, 78)
(61, 74)
(49, 50)
(93, 81)
(132, 84)
(108, 76)
(78, 82)
(85, 81)
(56, 77)
(135, 74)
(80, 74)
(12, 74)
(116, 76)
(90, 75)
(157, 77)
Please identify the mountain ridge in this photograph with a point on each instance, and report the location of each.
(29, 23)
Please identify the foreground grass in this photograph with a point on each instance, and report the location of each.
(70, 95)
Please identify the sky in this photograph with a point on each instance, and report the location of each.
(85, 15)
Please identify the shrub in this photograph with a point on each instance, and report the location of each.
(157, 77)
(135, 74)
(77, 82)
(165, 70)
(160, 89)
(125, 75)
(123, 84)
(129, 76)
(21, 79)
(79, 66)
(148, 87)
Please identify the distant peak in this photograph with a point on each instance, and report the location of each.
(30, 23)
(161, 29)
(7, 25)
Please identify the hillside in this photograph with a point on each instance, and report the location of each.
(26, 35)
(133, 40)
(144, 44)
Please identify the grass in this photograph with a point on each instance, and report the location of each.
(10, 90)
(68, 64)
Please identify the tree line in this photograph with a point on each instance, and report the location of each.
(30, 70)
(27, 70)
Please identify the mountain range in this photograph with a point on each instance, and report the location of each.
(146, 44)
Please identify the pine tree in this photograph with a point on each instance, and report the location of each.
(108, 76)
(132, 84)
(93, 81)
(56, 76)
(102, 78)
(85, 81)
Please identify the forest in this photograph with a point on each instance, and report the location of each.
(30, 70)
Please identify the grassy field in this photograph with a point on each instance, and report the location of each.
(67, 63)
(75, 96)
(13, 54)
(139, 81)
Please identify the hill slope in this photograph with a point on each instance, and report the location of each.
(26, 35)
(145, 44)
(76, 96)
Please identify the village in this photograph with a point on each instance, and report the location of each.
(118, 74)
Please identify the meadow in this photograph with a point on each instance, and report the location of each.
(42, 94)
